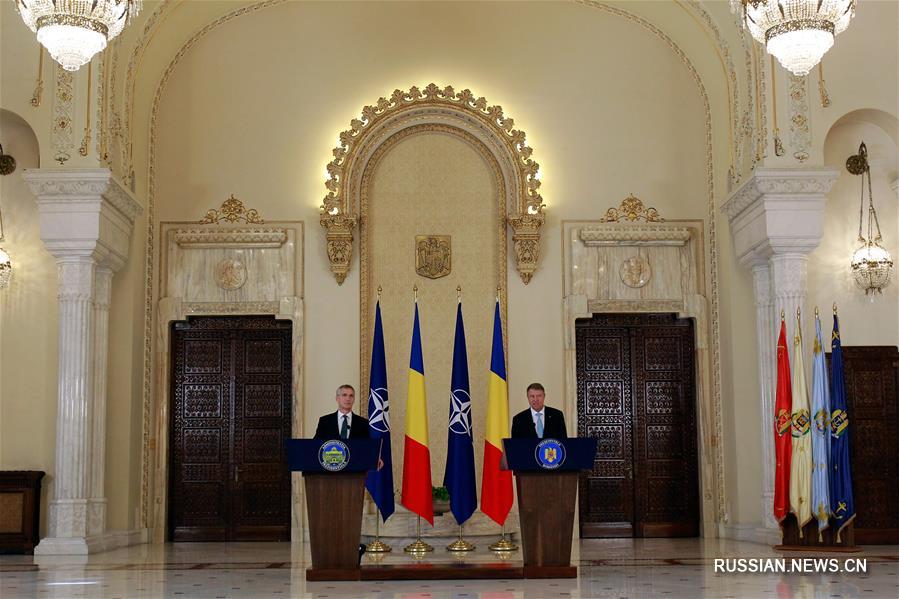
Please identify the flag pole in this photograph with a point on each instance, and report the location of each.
(377, 546)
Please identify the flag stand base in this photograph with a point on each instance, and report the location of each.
(460, 544)
(503, 544)
(377, 546)
(791, 540)
(419, 546)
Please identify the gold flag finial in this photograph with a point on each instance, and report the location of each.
(498, 289)
(798, 313)
(834, 308)
(782, 314)
(415, 292)
(816, 312)
(379, 293)
(459, 292)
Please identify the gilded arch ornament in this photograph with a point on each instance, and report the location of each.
(339, 212)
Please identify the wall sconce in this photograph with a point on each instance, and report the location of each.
(7, 167)
(872, 265)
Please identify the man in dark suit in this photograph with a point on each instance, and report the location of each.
(539, 420)
(343, 424)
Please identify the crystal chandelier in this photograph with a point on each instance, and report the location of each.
(872, 265)
(796, 32)
(74, 30)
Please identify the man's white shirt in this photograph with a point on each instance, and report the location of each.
(349, 422)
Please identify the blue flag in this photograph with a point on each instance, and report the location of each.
(841, 503)
(459, 476)
(380, 482)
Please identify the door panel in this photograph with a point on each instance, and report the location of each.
(231, 411)
(605, 412)
(636, 396)
(665, 463)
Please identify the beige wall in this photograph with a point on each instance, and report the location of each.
(871, 319)
(28, 317)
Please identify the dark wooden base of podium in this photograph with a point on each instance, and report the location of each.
(791, 540)
(442, 571)
(322, 574)
(550, 571)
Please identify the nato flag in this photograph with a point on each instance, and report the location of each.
(459, 477)
(841, 503)
(380, 482)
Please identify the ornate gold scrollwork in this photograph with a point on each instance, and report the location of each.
(632, 209)
(526, 237)
(339, 235)
(232, 211)
(338, 214)
(433, 255)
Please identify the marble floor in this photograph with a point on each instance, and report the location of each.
(609, 568)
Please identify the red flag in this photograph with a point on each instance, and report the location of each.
(783, 441)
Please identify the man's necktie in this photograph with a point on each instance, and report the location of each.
(539, 425)
(344, 428)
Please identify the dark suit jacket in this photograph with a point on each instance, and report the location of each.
(553, 427)
(327, 427)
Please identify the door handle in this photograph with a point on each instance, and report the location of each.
(237, 474)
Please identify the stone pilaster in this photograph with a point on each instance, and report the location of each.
(86, 220)
(776, 219)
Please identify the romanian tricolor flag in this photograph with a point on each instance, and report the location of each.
(496, 484)
(417, 492)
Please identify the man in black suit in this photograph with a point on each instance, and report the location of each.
(343, 424)
(539, 420)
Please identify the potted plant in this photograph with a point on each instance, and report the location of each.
(441, 500)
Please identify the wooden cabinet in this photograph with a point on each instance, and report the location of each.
(20, 509)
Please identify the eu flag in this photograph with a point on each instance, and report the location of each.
(459, 476)
(841, 503)
(380, 482)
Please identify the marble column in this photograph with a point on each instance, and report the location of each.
(86, 220)
(776, 218)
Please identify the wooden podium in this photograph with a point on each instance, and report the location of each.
(334, 475)
(546, 476)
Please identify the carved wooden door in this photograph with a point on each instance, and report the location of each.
(231, 412)
(636, 395)
(872, 379)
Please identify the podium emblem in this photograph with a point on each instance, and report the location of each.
(550, 454)
(334, 456)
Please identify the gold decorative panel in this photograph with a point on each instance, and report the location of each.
(523, 205)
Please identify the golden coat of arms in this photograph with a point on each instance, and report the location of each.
(433, 255)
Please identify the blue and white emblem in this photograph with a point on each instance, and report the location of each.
(379, 418)
(334, 455)
(550, 454)
(460, 416)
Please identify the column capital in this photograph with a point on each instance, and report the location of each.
(779, 211)
(84, 212)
